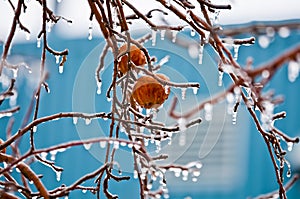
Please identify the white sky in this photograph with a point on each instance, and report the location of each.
(242, 11)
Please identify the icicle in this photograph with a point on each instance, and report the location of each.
(290, 146)
(230, 101)
(183, 93)
(249, 92)
(263, 41)
(293, 70)
(182, 139)
(102, 144)
(60, 69)
(27, 36)
(116, 144)
(201, 48)
(193, 33)
(195, 90)
(234, 116)
(38, 42)
(174, 35)
(168, 3)
(267, 115)
(75, 120)
(90, 31)
(167, 89)
(57, 57)
(182, 124)
(49, 26)
(236, 51)
(220, 81)
(153, 33)
(208, 111)
(87, 146)
(88, 121)
(188, 15)
(289, 172)
(34, 129)
(284, 32)
(158, 146)
(162, 34)
(58, 175)
(15, 72)
(135, 174)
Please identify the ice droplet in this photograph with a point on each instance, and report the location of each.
(196, 173)
(34, 129)
(53, 154)
(88, 121)
(109, 99)
(27, 36)
(57, 57)
(87, 146)
(75, 120)
(162, 34)
(153, 37)
(58, 1)
(38, 42)
(185, 174)
(220, 80)
(236, 51)
(288, 173)
(263, 41)
(116, 144)
(265, 74)
(193, 33)
(183, 93)
(18, 170)
(174, 35)
(44, 155)
(270, 32)
(208, 112)
(102, 144)
(293, 71)
(195, 90)
(58, 175)
(60, 69)
(83, 190)
(284, 32)
(290, 146)
(200, 56)
(99, 85)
